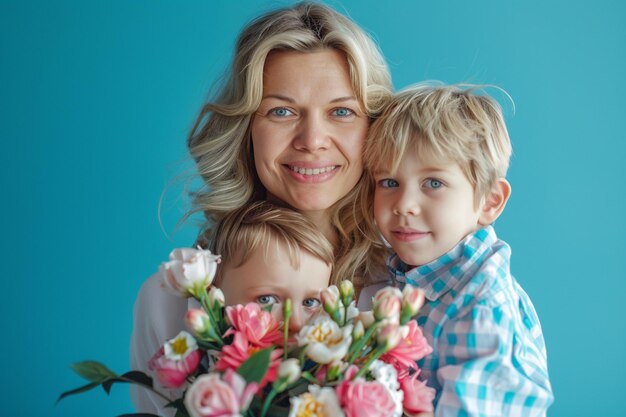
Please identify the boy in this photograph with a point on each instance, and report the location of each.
(436, 161)
(269, 254)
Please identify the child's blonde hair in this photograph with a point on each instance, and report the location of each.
(442, 123)
(261, 225)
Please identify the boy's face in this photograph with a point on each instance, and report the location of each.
(272, 279)
(424, 209)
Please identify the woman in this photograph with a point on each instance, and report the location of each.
(288, 126)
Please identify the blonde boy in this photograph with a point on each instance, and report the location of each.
(437, 159)
(271, 253)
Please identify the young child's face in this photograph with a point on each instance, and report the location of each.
(425, 209)
(272, 279)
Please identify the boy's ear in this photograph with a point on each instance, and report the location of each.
(494, 202)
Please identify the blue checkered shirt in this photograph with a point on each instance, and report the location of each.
(489, 356)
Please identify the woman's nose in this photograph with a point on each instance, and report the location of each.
(312, 134)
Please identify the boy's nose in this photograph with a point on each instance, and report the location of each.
(311, 134)
(297, 320)
(406, 204)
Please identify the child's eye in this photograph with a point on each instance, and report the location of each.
(266, 299)
(280, 112)
(388, 183)
(311, 303)
(433, 183)
(342, 112)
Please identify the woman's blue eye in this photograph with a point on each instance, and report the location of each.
(280, 112)
(388, 183)
(266, 299)
(311, 303)
(342, 112)
(433, 183)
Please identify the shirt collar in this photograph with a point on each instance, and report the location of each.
(446, 272)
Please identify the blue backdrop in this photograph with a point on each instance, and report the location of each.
(96, 99)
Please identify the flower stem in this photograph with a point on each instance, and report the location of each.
(267, 402)
(356, 348)
(377, 354)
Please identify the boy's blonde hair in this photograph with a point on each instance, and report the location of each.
(442, 123)
(261, 225)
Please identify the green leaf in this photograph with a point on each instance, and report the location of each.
(93, 371)
(179, 404)
(106, 385)
(132, 377)
(255, 368)
(78, 390)
(139, 415)
(138, 377)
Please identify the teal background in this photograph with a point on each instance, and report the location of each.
(96, 99)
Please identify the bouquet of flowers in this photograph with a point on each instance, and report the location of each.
(241, 360)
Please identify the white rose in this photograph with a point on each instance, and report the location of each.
(325, 341)
(316, 398)
(189, 271)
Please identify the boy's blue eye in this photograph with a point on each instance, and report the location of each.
(388, 183)
(280, 112)
(311, 303)
(433, 183)
(342, 112)
(266, 299)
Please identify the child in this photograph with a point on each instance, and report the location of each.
(436, 161)
(269, 254)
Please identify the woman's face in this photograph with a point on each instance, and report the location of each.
(309, 130)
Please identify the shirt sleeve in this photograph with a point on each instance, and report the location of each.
(489, 369)
(157, 317)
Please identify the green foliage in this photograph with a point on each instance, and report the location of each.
(255, 368)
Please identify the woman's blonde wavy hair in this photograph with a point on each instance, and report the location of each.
(220, 141)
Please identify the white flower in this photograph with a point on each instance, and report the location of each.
(189, 271)
(179, 347)
(316, 402)
(325, 341)
(387, 376)
(289, 370)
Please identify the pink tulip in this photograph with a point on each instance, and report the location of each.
(330, 299)
(212, 396)
(172, 373)
(388, 308)
(411, 348)
(389, 335)
(418, 397)
(233, 355)
(361, 398)
(412, 300)
(260, 327)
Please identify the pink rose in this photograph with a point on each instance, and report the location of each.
(361, 398)
(212, 396)
(417, 396)
(233, 355)
(410, 349)
(171, 373)
(260, 327)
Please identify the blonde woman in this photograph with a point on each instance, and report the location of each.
(288, 126)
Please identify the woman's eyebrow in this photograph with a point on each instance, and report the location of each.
(346, 98)
(279, 97)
